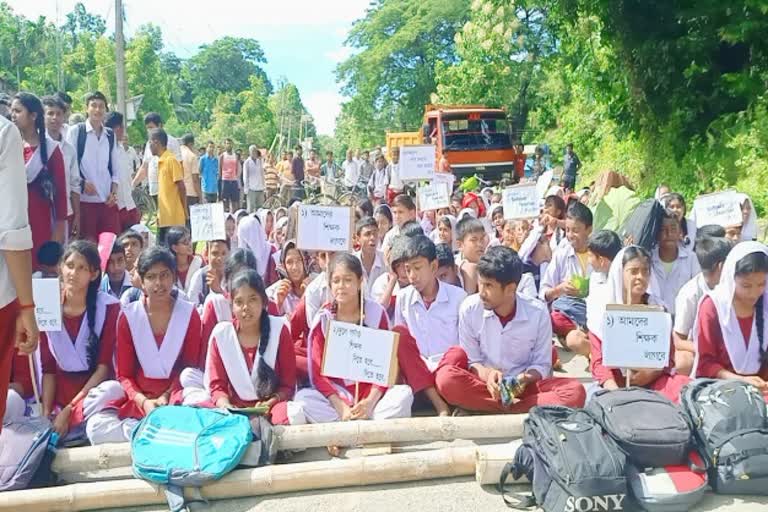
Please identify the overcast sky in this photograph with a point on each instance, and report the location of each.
(303, 39)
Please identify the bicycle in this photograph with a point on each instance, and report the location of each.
(146, 204)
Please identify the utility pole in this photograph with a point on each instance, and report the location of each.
(122, 87)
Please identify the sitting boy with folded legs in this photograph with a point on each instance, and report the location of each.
(505, 344)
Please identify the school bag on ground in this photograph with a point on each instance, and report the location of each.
(571, 463)
(650, 429)
(731, 433)
(27, 448)
(676, 488)
(182, 446)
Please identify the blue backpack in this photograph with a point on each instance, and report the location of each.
(187, 446)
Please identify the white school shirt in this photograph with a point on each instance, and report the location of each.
(377, 269)
(687, 304)
(436, 329)
(351, 172)
(253, 175)
(379, 182)
(386, 243)
(95, 163)
(72, 173)
(526, 286)
(316, 295)
(684, 268)
(564, 265)
(525, 343)
(395, 183)
(174, 147)
(124, 189)
(15, 233)
(380, 285)
(196, 286)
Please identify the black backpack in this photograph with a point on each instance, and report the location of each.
(650, 429)
(81, 134)
(644, 223)
(731, 433)
(571, 463)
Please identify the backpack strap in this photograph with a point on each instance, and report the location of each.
(111, 140)
(81, 138)
(513, 500)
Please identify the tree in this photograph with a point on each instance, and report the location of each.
(391, 75)
(290, 114)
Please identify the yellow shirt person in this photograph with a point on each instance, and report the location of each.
(171, 210)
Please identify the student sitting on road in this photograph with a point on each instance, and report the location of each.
(503, 336)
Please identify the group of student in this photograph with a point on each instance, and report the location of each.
(475, 298)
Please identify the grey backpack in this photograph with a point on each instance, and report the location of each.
(571, 463)
(26, 452)
(731, 433)
(651, 430)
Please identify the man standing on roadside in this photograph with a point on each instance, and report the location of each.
(209, 174)
(190, 163)
(99, 170)
(329, 170)
(253, 179)
(351, 170)
(171, 197)
(18, 327)
(148, 169)
(297, 169)
(571, 166)
(231, 170)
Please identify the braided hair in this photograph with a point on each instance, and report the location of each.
(90, 253)
(44, 180)
(267, 378)
(749, 264)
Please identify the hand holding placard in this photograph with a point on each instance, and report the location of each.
(417, 162)
(360, 354)
(47, 296)
(636, 336)
(433, 196)
(520, 201)
(324, 228)
(720, 208)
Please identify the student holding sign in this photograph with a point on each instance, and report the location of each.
(503, 335)
(157, 337)
(209, 279)
(332, 399)
(250, 360)
(628, 283)
(79, 357)
(286, 293)
(730, 329)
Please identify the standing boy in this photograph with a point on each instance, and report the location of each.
(171, 195)
(503, 334)
(253, 179)
(191, 163)
(127, 211)
(230, 167)
(209, 174)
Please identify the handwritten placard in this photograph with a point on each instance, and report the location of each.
(324, 228)
(207, 221)
(433, 196)
(360, 354)
(47, 296)
(520, 201)
(720, 208)
(636, 336)
(417, 162)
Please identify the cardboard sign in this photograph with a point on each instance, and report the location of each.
(417, 162)
(207, 221)
(433, 196)
(520, 201)
(636, 336)
(721, 208)
(47, 295)
(360, 354)
(444, 177)
(543, 183)
(324, 228)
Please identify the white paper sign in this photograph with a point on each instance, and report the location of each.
(417, 162)
(47, 296)
(433, 196)
(324, 228)
(207, 221)
(360, 354)
(520, 201)
(636, 337)
(721, 208)
(543, 183)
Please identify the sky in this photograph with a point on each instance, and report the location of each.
(303, 40)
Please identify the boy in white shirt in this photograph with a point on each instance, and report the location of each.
(672, 264)
(710, 253)
(503, 335)
(471, 240)
(430, 311)
(367, 231)
(558, 284)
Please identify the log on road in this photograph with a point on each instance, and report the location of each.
(351, 433)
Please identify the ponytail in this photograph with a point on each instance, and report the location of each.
(759, 325)
(92, 347)
(268, 381)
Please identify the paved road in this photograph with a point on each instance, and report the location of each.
(451, 495)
